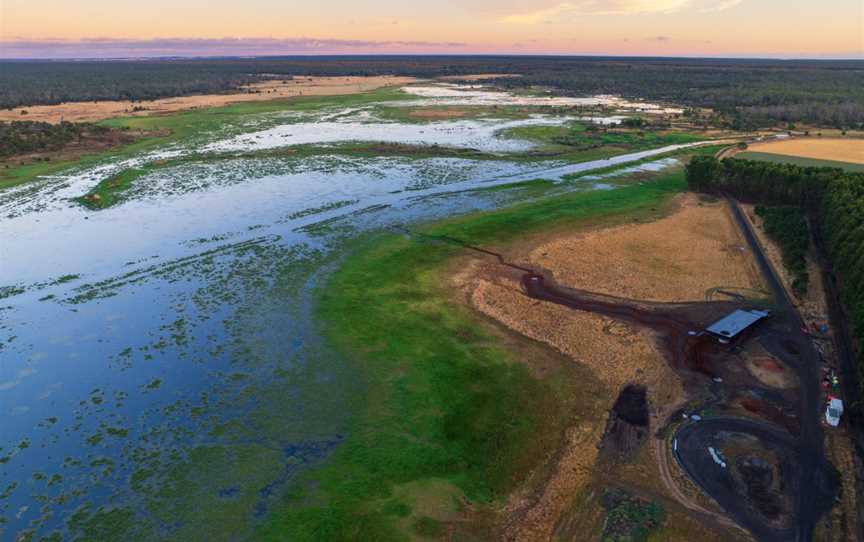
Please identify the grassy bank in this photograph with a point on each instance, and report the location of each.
(452, 418)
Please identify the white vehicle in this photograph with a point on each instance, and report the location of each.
(833, 411)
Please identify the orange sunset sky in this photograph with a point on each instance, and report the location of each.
(118, 28)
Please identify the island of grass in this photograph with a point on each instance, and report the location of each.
(582, 141)
(456, 414)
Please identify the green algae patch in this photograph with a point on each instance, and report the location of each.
(450, 413)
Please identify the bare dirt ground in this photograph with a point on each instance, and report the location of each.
(677, 258)
(269, 90)
(771, 372)
(839, 149)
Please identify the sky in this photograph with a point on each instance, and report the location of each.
(717, 28)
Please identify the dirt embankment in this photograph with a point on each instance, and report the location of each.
(837, 149)
(269, 90)
(679, 257)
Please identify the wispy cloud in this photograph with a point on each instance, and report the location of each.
(722, 6)
(189, 47)
(615, 7)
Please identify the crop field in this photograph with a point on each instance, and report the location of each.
(799, 160)
(846, 150)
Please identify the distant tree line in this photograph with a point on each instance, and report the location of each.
(748, 93)
(833, 198)
(24, 137)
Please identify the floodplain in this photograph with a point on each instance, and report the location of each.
(334, 335)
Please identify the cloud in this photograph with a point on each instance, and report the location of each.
(721, 6)
(615, 7)
(191, 47)
(659, 38)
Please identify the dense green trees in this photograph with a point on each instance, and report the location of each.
(788, 227)
(833, 198)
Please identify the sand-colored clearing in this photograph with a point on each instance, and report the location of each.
(677, 258)
(838, 149)
(269, 90)
(771, 372)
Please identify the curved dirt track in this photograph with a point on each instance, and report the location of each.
(692, 454)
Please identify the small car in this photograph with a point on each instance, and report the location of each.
(833, 411)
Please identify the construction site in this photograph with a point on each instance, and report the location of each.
(719, 387)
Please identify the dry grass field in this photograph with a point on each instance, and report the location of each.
(677, 258)
(836, 149)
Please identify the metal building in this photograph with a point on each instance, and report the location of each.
(731, 325)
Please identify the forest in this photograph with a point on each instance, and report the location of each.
(834, 201)
(748, 93)
(787, 226)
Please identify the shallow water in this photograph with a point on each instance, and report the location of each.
(468, 134)
(478, 95)
(166, 347)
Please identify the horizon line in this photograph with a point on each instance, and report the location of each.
(180, 56)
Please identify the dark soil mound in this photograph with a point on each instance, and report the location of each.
(632, 405)
(627, 425)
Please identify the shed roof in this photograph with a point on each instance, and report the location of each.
(734, 323)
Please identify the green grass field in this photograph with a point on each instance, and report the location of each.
(798, 160)
(451, 412)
